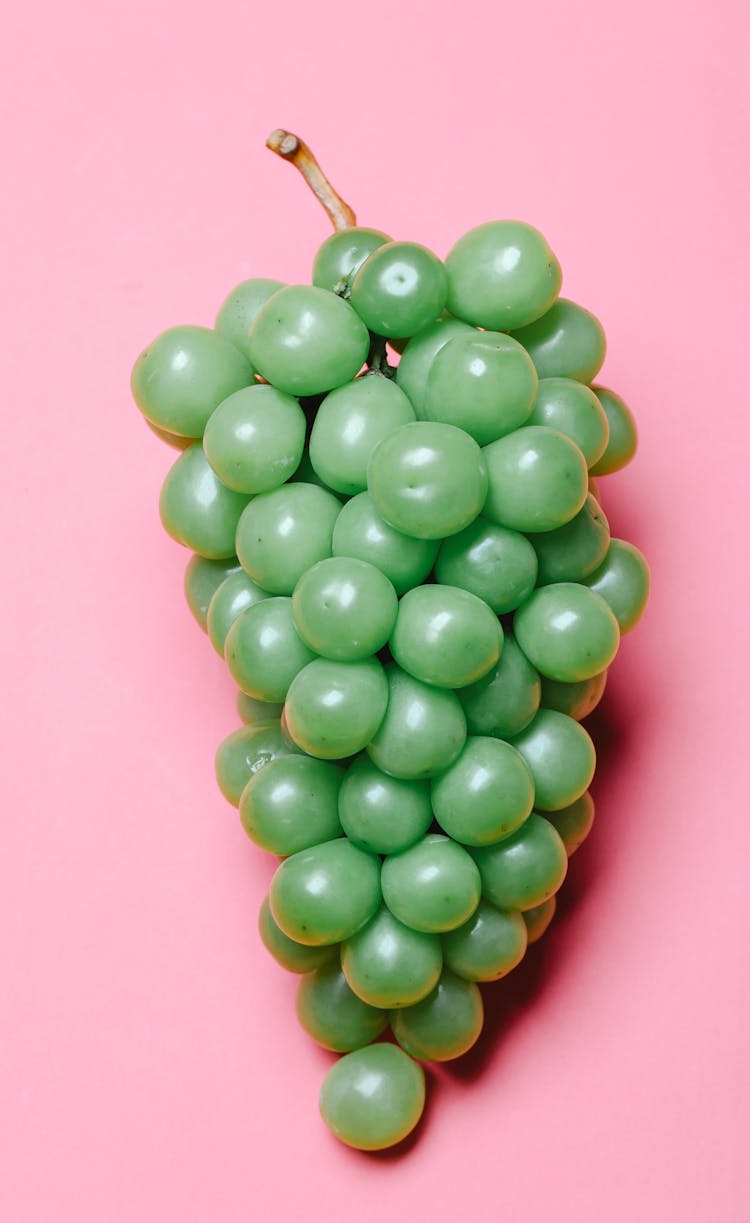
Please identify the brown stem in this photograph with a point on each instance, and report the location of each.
(291, 148)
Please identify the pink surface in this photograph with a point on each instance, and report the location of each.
(151, 1064)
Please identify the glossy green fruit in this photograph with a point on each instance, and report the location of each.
(506, 699)
(576, 700)
(360, 532)
(348, 426)
(566, 342)
(254, 439)
(202, 579)
(252, 710)
(237, 592)
(264, 651)
(572, 409)
(538, 919)
(344, 609)
(484, 383)
(333, 1015)
(485, 795)
(567, 631)
(399, 289)
(432, 886)
(574, 823)
(342, 255)
(494, 563)
(575, 549)
(197, 510)
(390, 965)
(445, 636)
(241, 307)
(372, 1098)
(502, 275)
(171, 439)
(423, 730)
(333, 709)
(560, 756)
(419, 354)
(488, 946)
(623, 581)
(537, 479)
(427, 480)
(244, 753)
(526, 868)
(443, 1025)
(623, 434)
(292, 804)
(326, 893)
(306, 341)
(382, 814)
(282, 533)
(295, 957)
(181, 377)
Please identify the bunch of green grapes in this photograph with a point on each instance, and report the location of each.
(408, 570)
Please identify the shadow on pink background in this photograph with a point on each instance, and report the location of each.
(151, 1067)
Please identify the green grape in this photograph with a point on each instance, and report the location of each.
(576, 700)
(263, 650)
(252, 710)
(202, 579)
(494, 563)
(390, 965)
(306, 341)
(502, 275)
(623, 581)
(284, 532)
(623, 435)
(382, 814)
(344, 609)
(333, 1015)
(373, 1098)
(443, 1025)
(236, 593)
(326, 893)
(506, 699)
(572, 409)
(574, 823)
(488, 946)
(526, 868)
(400, 289)
(333, 709)
(595, 488)
(567, 632)
(342, 255)
(538, 919)
(419, 354)
(566, 342)
(537, 479)
(172, 439)
(423, 730)
(445, 636)
(241, 307)
(428, 480)
(574, 550)
(560, 756)
(181, 377)
(361, 533)
(306, 474)
(295, 957)
(254, 439)
(292, 804)
(243, 753)
(348, 426)
(432, 886)
(197, 510)
(485, 794)
(484, 383)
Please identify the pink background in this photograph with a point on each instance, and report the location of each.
(152, 1067)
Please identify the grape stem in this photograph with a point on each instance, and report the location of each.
(292, 149)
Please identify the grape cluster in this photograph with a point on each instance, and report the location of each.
(408, 570)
